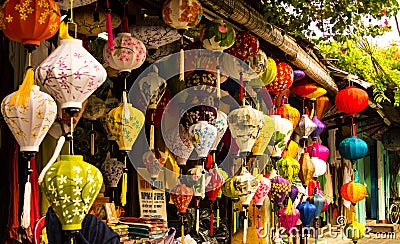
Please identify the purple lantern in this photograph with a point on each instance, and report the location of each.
(288, 217)
(279, 189)
(320, 128)
(293, 193)
(318, 150)
(298, 75)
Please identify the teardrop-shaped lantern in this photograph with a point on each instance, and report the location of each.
(353, 192)
(322, 104)
(154, 162)
(129, 53)
(112, 170)
(288, 217)
(71, 186)
(319, 166)
(303, 88)
(152, 87)
(217, 180)
(283, 79)
(198, 179)
(353, 148)
(283, 131)
(319, 129)
(181, 196)
(217, 36)
(307, 212)
(279, 189)
(288, 112)
(391, 139)
(307, 169)
(264, 137)
(202, 136)
(246, 45)
(305, 127)
(245, 124)
(292, 150)
(351, 100)
(262, 191)
(319, 202)
(355, 231)
(316, 94)
(182, 15)
(70, 74)
(270, 73)
(221, 123)
(245, 186)
(289, 168)
(318, 150)
(298, 74)
(294, 191)
(178, 142)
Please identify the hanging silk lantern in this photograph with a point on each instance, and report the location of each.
(291, 150)
(198, 180)
(181, 196)
(29, 22)
(70, 74)
(71, 186)
(283, 79)
(245, 124)
(217, 36)
(298, 74)
(353, 148)
(355, 231)
(237, 69)
(94, 109)
(294, 191)
(319, 129)
(198, 113)
(318, 150)
(351, 100)
(203, 84)
(259, 62)
(154, 162)
(288, 168)
(319, 166)
(279, 189)
(262, 191)
(307, 169)
(212, 190)
(264, 137)
(246, 45)
(305, 127)
(129, 53)
(288, 217)
(270, 73)
(319, 202)
(316, 94)
(353, 192)
(221, 123)
(391, 139)
(283, 131)
(288, 112)
(154, 33)
(152, 87)
(322, 104)
(112, 170)
(307, 212)
(178, 142)
(162, 52)
(303, 88)
(202, 135)
(182, 14)
(228, 189)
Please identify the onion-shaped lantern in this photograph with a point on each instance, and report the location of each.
(303, 88)
(283, 79)
(353, 192)
(305, 127)
(319, 202)
(289, 112)
(279, 189)
(288, 168)
(246, 46)
(270, 73)
(152, 87)
(71, 186)
(322, 104)
(391, 139)
(294, 191)
(307, 169)
(318, 150)
(202, 135)
(307, 212)
(112, 170)
(298, 74)
(288, 217)
(217, 36)
(319, 166)
(70, 74)
(351, 100)
(319, 129)
(354, 231)
(221, 123)
(353, 148)
(264, 137)
(154, 162)
(178, 142)
(283, 131)
(245, 124)
(316, 94)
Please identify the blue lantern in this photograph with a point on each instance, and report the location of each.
(307, 212)
(353, 148)
(319, 202)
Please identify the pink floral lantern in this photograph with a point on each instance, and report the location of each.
(260, 195)
(212, 190)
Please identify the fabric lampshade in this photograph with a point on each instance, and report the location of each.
(319, 129)
(279, 189)
(283, 131)
(318, 150)
(181, 196)
(319, 166)
(303, 88)
(288, 217)
(203, 135)
(351, 100)
(270, 73)
(307, 169)
(307, 212)
(246, 45)
(221, 123)
(217, 36)
(262, 191)
(305, 127)
(289, 112)
(245, 186)
(182, 14)
(264, 137)
(112, 170)
(283, 79)
(288, 168)
(353, 192)
(152, 87)
(154, 162)
(214, 186)
(353, 148)
(178, 142)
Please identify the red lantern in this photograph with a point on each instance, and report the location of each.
(30, 22)
(246, 46)
(351, 100)
(283, 79)
(353, 192)
(303, 88)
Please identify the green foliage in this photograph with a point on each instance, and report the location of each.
(334, 19)
(379, 66)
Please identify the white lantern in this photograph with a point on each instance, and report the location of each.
(152, 87)
(178, 142)
(221, 123)
(305, 127)
(319, 165)
(202, 134)
(70, 74)
(283, 131)
(259, 62)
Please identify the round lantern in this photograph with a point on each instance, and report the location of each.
(317, 93)
(305, 127)
(307, 212)
(288, 217)
(353, 148)
(129, 53)
(319, 167)
(319, 129)
(154, 33)
(217, 36)
(353, 192)
(259, 62)
(203, 135)
(264, 137)
(279, 189)
(355, 231)
(29, 22)
(291, 150)
(307, 169)
(182, 15)
(391, 139)
(71, 186)
(288, 168)
(351, 100)
(221, 123)
(70, 74)
(283, 131)
(318, 150)
(303, 88)
(246, 45)
(289, 112)
(270, 73)
(283, 79)
(245, 124)
(154, 162)
(112, 170)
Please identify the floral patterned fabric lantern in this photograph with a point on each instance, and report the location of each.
(351, 100)
(129, 53)
(288, 217)
(288, 112)
(353, 148)
(283, 131)
(289, 168)
(152, 87)
(112, 170)
(318, 150)
(283, 79)
(217, 36)
(279, 189)
(262, 191)
(270, 73)
(29, 22)
(246, 46)
(245, 124)
(259, 62)
(353, 192)
(303, 88)
(221, 123)
(307, 169)
(154, 162)
(305, 127)
(70, 74)
(71, 186)
(178, 142)
(319, 129)
(391, 139)
(182, 14)
(202, 135)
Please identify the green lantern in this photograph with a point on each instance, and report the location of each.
(71, 185)
(218, 36)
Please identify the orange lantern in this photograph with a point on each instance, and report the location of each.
(289, 112)
(30, 22)
(321, 106)
(353, 192)
(351, 100)
(303, 88)
(307, 169)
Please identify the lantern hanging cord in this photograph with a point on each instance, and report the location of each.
(57, 150)
(71, 148)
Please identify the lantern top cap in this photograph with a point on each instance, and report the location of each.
(219, 21)
(71, 157)
(124, 34)
(71, 40)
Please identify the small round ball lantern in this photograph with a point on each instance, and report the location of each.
(246, 46)
(283, 79)
(353, 192)
(217, 36)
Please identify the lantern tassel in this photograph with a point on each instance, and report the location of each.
(211, 220)
(26, 210)
(241, 90)
(57, 150)
(63, 32)
(245, 226)
(197, 215)
(92, 137)
(110, 40)
(182, 231)
(152, 131)
(217, 215)
(218, 79)
(124, 185)
(313, 109)
(182, 65)
(21, 96)
(234, 219)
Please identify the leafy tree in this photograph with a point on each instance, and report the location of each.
(334, 19)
